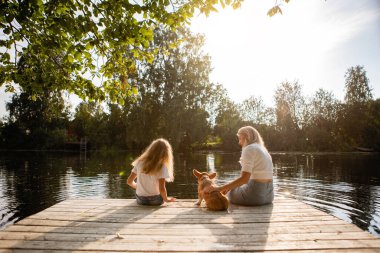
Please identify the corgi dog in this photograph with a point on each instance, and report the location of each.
(215, 201)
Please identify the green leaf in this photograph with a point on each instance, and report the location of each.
(7, 30)
(88, 46)
(78, 55)
(87, 55)
(70, 59)
(135, 90)
(9, 88)
(145, 43)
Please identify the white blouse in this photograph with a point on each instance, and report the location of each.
(147, 184)
(256, 160)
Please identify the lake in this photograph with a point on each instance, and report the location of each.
(346, 185)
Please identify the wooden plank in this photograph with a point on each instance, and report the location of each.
(174, 206)
(182, 230)
(182, 203)
(158, 245)
(189, 238)
(361, 250)
(187, 211)
(183, 217)
(95, 223)
(174, 220)
(118, 225)
(178, 208)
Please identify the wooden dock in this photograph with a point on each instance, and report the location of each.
(119, 225)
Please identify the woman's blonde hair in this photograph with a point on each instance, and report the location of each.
(251, 135)
(156, 155)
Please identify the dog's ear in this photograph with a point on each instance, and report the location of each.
(196, 173)
(212, 175)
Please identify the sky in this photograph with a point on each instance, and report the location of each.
(313, 42)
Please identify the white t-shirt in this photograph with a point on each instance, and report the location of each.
(147, 184)
(256, 160)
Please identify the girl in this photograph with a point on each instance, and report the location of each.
(255, 184)
(152, 168)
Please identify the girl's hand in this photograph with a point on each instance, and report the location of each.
(170, 199)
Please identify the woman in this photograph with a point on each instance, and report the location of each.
(255, 184)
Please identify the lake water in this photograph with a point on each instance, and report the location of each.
(346, 185)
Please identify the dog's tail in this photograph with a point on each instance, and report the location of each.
(219, 203)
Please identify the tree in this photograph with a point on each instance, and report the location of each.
(37, 122)
(357, 87)
(90, 121)
(253, 109)
(354, 115)
(290, 105)
(323, 107)
(72, 37)
(88, 47)
(173, 91)
(290, 113)
(320, 130)
(371, 132)
(217, 99)
(116, 127)
(228, 122)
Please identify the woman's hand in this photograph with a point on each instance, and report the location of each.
(224, 192)
(211, 189)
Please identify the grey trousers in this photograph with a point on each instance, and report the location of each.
(252, 194)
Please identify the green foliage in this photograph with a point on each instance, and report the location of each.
(290, 106)
(253, 109)
(36, 122)
(228, 122)
(90, 48)
(173, 91)
(90, 121)
(355, 115)
(320, 130)
(357, 87)
(371, 131)
(169, 103)
(320, 123)
(170, 96)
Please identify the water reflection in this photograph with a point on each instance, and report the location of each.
(93, 186)
(210, 158)
(344, 185)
